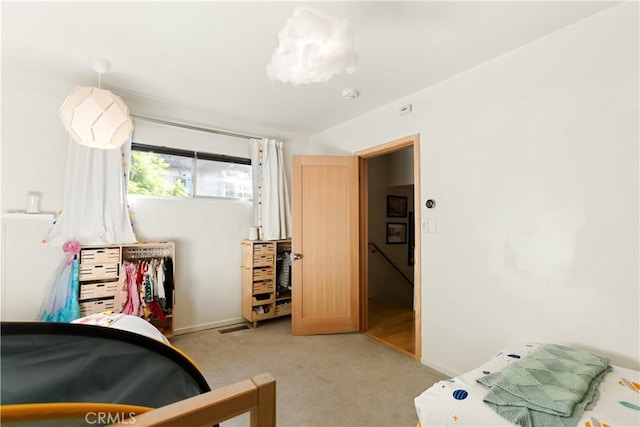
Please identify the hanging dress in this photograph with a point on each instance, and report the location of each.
(61, 305)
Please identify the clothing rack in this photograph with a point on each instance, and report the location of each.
(140, 253)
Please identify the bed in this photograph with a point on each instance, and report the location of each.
(85, 373)
(123, 322)
(459, 401)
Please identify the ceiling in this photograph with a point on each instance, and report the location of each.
(212, 55)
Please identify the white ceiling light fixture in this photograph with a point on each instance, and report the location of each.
(313, 46)
(96, 117)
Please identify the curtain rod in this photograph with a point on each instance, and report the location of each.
(198, 128)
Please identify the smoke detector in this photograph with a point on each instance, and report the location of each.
(350, 94)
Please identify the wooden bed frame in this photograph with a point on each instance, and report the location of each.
(256, 395)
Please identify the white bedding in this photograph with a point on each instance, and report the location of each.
(458, 401)
(123, 322)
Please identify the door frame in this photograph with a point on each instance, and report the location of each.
(363, 156)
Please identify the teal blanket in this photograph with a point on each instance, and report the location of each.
(552, 386)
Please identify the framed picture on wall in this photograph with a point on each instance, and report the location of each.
(396, 233)
(396, 206)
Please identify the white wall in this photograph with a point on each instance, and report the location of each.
(33, 158)
(533, 160)
(207, 232)
(28, 265)
(33, 140)
(400, 168)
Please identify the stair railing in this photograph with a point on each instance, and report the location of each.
(376, 249)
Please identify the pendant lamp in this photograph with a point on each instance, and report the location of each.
(96, 117)
(313, 46)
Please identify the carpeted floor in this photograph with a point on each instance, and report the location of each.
(322, 380)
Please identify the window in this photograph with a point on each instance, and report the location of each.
(162, 171)
(223, 179)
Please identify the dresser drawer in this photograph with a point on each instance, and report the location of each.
(100, 256)
(99, 271)
(88, 308)
(263, 248)
(98, 290)
(263, 299)
(263, 260)
(263, 287)
(264, 273)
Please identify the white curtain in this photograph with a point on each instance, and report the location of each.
(271, 203)
(95, 197)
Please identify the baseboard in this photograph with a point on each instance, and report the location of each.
(442, 369)
(211, 325)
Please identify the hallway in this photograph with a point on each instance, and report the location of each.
(392, 325)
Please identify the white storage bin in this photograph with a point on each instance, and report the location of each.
(98, 290)
(100, 256)
(98, 271)
(88, 308)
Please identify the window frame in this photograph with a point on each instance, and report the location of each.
(195, 156)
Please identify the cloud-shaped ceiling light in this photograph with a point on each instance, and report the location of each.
(96, 117)
(313, 47)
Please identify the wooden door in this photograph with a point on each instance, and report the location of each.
(325, 295)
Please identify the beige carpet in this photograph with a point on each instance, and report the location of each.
(322, 380)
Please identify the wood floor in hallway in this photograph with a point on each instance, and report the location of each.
(393, 326)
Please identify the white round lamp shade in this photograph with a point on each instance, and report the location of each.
(96, 118)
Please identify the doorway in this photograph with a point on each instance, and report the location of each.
(330, 237)
(390, 244)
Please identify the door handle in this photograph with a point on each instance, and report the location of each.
(295, 256)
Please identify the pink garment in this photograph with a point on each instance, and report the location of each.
(132, 306)
(122, 292)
